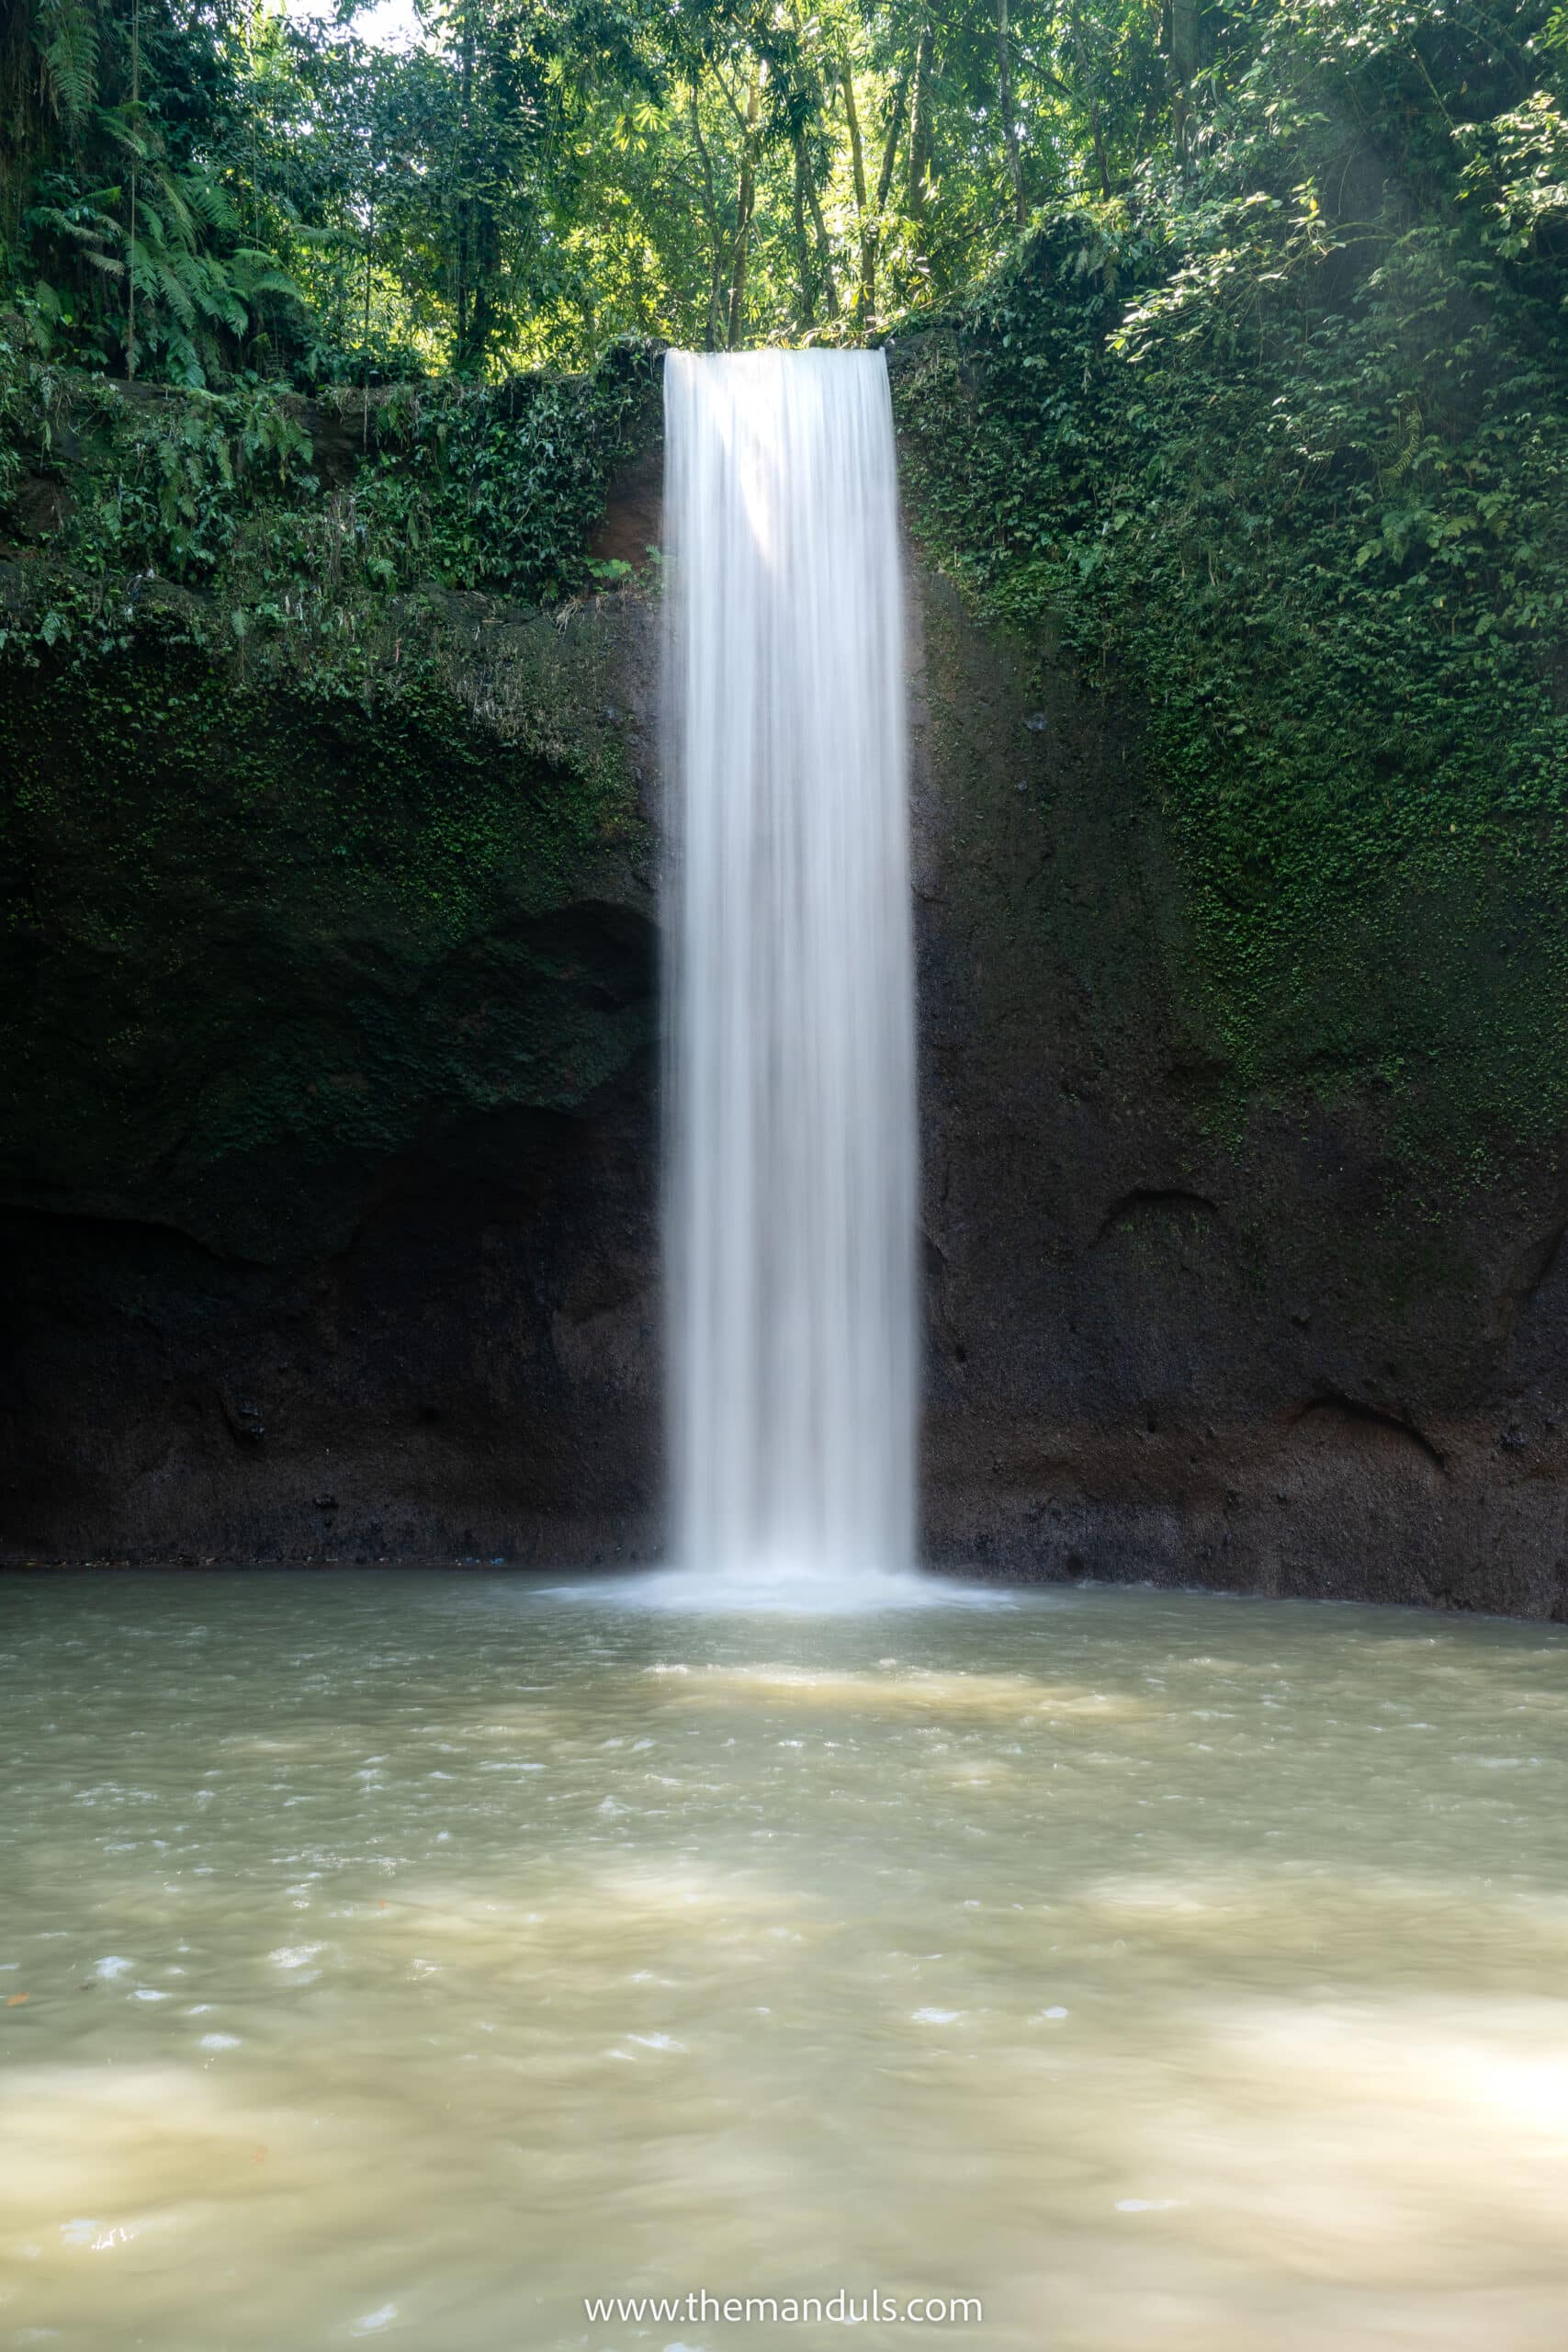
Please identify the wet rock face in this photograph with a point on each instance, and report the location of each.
(328, 1178)
(472, 1375)
(329, 1197)
(1176, 1333)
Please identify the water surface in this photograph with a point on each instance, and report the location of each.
(404, 1957)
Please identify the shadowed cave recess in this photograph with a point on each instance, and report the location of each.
(330, 1162)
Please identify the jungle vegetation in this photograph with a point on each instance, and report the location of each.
(211, 190)
(1229, 347)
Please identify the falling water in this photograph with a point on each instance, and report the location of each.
(791, 1178)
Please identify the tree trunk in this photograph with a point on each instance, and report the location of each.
(130, 250)
(1096, 122)
(466, 92)
(872, 242)
(746, 205)
(857, 164)
(824, 249)
(1004, 100)
(917, 184)
(802, 248)
(1183, 30)
(716, 245)
(365, 412)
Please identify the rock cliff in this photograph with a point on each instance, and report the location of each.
(328, 1059)
(329, 1172)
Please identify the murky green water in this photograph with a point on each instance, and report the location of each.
(404, 1959)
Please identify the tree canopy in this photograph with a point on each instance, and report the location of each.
(210, 190)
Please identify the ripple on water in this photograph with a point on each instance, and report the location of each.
(1119, 1958)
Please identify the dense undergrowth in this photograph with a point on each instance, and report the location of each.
(1291, 476)
(220, 515)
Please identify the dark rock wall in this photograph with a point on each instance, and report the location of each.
(1272, 1352)
(328, 1059)
(331, 1209)
(470, 1375)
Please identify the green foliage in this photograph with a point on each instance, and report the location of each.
(132, 243)
(202, 193)
(67, 35)
(211, 193)
(453, 486)
(1300, 486)
(499, 488)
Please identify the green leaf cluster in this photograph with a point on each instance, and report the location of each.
(216, 506)
(1294, 484)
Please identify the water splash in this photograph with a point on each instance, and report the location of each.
(791, 1161)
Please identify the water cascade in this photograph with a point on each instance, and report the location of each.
(791, 1159)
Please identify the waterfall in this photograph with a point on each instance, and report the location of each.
(791, 1149)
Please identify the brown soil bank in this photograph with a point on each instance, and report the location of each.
(329, 1158)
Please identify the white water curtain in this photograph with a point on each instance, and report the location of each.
(791, 1149)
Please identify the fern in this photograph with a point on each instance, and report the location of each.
(209, 203)
(175, 293)
(82, 222)
(117, 124)
(130, 209)
(67, 33)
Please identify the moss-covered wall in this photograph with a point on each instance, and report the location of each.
(327, 963)
(257, 927)
(1179, 1328)
(1319, 551)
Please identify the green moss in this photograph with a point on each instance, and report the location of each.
(254, 924)
(1324, 558)
(310, 839)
